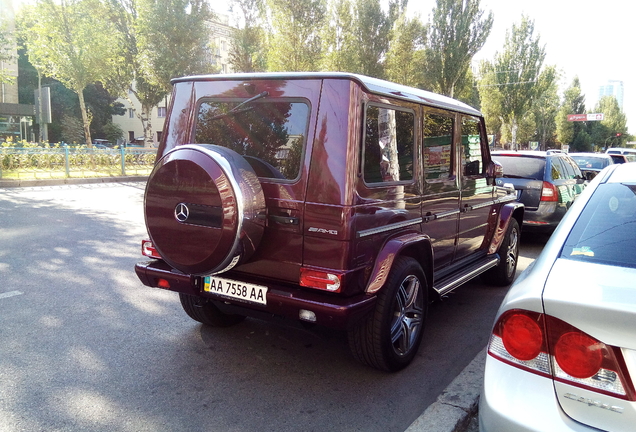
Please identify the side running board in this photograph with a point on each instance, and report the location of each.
(446, 285)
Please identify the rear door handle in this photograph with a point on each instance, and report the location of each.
(284, 220)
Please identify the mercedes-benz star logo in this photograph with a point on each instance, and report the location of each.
(181, 212)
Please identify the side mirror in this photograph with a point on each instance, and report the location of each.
(494, 171)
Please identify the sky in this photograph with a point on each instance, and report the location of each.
(594, 40)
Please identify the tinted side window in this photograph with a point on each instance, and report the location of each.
(569, 169)
(437, 145)
(271, 135)
(556, 169)
(472, 163)
(576, 172)
(388, 145)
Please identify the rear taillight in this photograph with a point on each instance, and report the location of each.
(149, 250)
(320, 279)
(549, 192)
(550, 347)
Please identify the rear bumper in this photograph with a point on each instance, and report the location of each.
(514, 400)
(546, 216)
(282, 300)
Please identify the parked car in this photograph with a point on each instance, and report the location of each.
(591, 164)
(102, 144)
(328, 199)
(547, 183)
(621, 150)
(620, 158)
(562, 354)
(622, 155)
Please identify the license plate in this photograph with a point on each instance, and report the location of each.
(235, 290)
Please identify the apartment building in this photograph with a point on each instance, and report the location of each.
(16, 119)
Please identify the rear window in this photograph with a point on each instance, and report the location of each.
(522, 167)
(590, 162)
(605, 232)
(271, 135)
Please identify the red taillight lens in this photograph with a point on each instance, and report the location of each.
(550, 347)
(549, 192)
(149, 250)
(320, 279)
(578, 354)
(522, 337)
(163, 283)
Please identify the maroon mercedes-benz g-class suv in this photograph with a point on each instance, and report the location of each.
(326, 198)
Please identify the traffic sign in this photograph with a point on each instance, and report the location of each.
(586, 117)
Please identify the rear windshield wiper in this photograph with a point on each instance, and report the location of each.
(237, 109)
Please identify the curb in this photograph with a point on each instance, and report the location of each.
(454, 407)
(69, 181)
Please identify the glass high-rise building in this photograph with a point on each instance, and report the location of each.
(612, 88)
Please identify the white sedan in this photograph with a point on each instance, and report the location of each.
(562, 354)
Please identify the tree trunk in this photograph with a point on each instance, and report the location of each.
(85, 120)
(146, 113)
(513, 129)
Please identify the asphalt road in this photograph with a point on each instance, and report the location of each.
(84, 346)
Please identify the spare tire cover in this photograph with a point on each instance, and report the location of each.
(204, 208)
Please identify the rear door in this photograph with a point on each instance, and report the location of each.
(476, 194)
(440, 207)
(274, 134)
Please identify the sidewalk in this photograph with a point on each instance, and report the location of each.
(456, 408)
(10, 183)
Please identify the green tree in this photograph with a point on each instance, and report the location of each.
(572, 133)
(248, 51)
(338, 36)
(160, 40)
(294, 43)
(512, 77)
(491, 99)
(72, 43)
(7, 51)
(174, 39)
(406, 54)
(546, 106)
(371, 34)
(457, 32)
(614, 123)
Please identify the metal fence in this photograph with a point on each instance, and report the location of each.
(66, 162)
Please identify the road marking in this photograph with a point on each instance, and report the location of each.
(10, 294)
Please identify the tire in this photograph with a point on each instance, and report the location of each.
(204, 209)
(504, 273)
(205, 312)
(389, 338)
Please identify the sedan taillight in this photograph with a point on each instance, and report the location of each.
(550, 347)
(549, 192)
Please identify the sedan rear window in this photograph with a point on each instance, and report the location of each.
(605, 232)
(522, 167)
